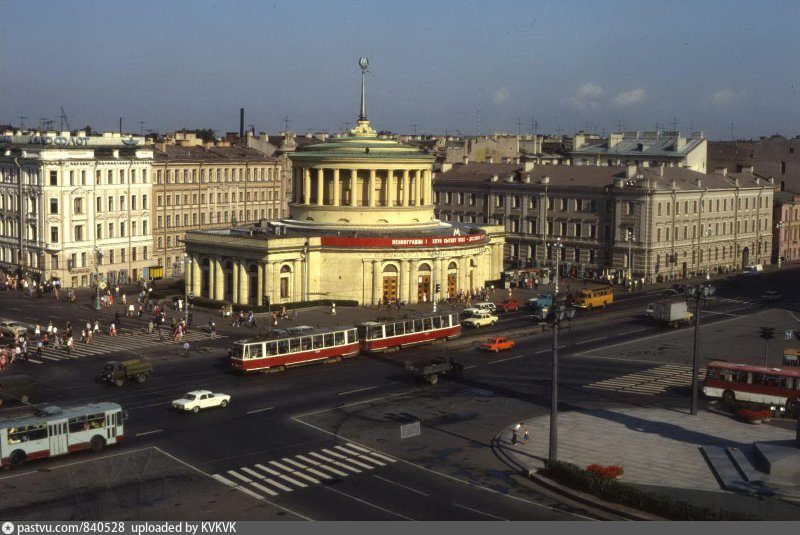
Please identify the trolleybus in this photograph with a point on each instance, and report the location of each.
(391, 335)
(277, 353)
(742, 382)
(55, 431)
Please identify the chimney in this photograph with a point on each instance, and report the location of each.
(661, 170)
(528, 166)
(721, 171)
(630, 171)
(446, 167)
(545, 179)
(748, 169)
(489, 159)
(495, 178)
(526, 179)
(241, 123)
(465, 159)
(772, 180)
(698, 182)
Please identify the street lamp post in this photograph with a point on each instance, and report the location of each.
(779, 226)
(559, 313)
(557, 245)
(186, 261)
(98, 255)
(700, 291)
(629, 239)
(435, 292)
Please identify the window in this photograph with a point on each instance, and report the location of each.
(53, 234)
(158, 222)
(158, 201)
(144, 253)
(133, 176)
(144, 202)
(110, 203)
(579, 205)
(122, 255)
(122, 202)
(169, 200)
(122, 179)
(110, 176)
(659, 208)
(54, 178)
(53, 206)
(592, 230)
(111, 231)
(78, 233)
(658, 235)
(629, 208)
(111, 256)
(72, 178)
(169, 221)
(99, 203)
(77, 206)
(160, 242)
(144, 227)
(122, 230)
(83, 177)
(133, 229)
(133, 202)
(133, 254)
(158, 177)
(83, 260)
(563, 203)
(144, 176)
(99, 231)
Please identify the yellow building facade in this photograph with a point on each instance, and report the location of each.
(361, 227)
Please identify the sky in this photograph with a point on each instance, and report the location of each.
(728, 68)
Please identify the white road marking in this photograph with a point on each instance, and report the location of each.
(479, 512)
(334, 470)
(357, 447)
(240, 476)
(470, 367)
(267, 470)
(367, 503)
(306, 477)
(262, 488)
(278, 485)
(290, 461)
(148, 432)
(348, 452)
(252, 472)
(282, 466)
(359, 463)
(338, 455)
(357, 390)
(504, 360)
(346, 467)
(224, 480)
(35, 361)
(631, 332)
(318, 473)
(592, 340)
(370, 459)
(318, 456)
(382, 456)
(260, 410)
(307, 460)
(293, 481)
(400, 485)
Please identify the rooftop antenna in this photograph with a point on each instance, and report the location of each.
(22, 122)
(674, 124)
(286, 122)
(42, 121)
(478, 119)
(48, 124)
(414, 126)
(120, 126)
(733, 132)
(619, 126)
(64, 120)
(364, 64)
(519, 126)
(141, 127)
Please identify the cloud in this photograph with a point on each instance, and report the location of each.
(585, 98)
(501, 96)
(725, 97)
(628, 98)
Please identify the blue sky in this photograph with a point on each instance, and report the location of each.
(568, 64)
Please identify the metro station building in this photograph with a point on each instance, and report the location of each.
(361, 227)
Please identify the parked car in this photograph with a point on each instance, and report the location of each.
(485, 306)
(201, 399)
(771, 296)
(648, 311)
(12, 328)
(753, 269)
(469, 312)
(508, 305)
(496, 344)
(480, 320)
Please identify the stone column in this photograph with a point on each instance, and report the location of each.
(402, 282)
(187, 274)
(219, 282)
(275, 270)
(297, 287)
(416, 188)
(371, 192)
(406, 190)
(412, 281)
(463, 266)
(260, 285)
(425, 196)
(211, 280)
(306, 185)
(235, 289)
(244, 284)
(320, 187)
(353, 187)
(336, 199)
(391, 187)
(376, 282)
(197, 277)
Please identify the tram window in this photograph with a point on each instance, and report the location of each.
(118, 418)
(283, 346)
(771, 380)
(399, 328)
(329, 340)
(17, 435)
(362, 332)
(338, 338)
(255, 351)
(389, 329)
(418, 326)
(711, 373)
(428, 323)
(272, 349)
(437, 322)
(77, 423)
(305, 343)
(318, 341)
(95, 421)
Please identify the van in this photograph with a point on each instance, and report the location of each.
(589, 298)
(16, 388)
(485, 306)
(754, 269)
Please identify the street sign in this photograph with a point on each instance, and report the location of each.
(102, 285)
(410, 430)
(191, 295)
(788, 334)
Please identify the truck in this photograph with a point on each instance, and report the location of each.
(117, 372)
(544, 300)
(438, 366)
(672, 313)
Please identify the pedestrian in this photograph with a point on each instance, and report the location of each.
(131, 309)
(49, 327)
(186, 350)
(124, 299)
(141, 311)
(150, 327)
(160, 333)
(525, 436)
(116, 318)
(84, 337)
(39, 346)
(274, 321)
(96, 328)
(333, 308)
(112, 330)
(514, 433)
(70, 343)
(213, 329)
(38, 331)
(56, 339)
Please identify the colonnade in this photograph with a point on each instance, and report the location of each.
(318, 186)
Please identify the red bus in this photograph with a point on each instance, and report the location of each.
(277, 353)
(742, 382)
(378, 337)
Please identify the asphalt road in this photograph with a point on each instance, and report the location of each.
(324, 441)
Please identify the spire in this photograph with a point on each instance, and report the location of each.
(363, 63)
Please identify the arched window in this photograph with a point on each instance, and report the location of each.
(390, 268)
(286, 269)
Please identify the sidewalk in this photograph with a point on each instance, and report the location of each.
(659, 449)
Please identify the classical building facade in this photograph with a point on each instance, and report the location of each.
(786, 227)
(208, 187)
(361, 227)
(661, 222)
(75, 206)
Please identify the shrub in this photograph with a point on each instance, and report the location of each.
(616, 491)
(608, 472)
(204, 302)
(751, 415)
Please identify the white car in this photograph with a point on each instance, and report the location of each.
(12, 328)
(487, 305)
(201, 399)
(649, 310)
(770, 296)
(481, 319)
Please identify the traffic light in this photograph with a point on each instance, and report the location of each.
(767, 333)
(438, 288)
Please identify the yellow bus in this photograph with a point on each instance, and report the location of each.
(590, 298)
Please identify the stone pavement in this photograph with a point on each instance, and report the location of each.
(658, 448)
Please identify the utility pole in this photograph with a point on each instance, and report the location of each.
(519, 126)
(560, 313)
(701, 291)
(22, 122)
(141, 127)
(767, 333)
(674, 124)
(286, 122)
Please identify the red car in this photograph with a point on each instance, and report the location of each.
(508, 305)
(498, 344)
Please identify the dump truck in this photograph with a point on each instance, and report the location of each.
(672, 313)
(438, 366)
(117, 372)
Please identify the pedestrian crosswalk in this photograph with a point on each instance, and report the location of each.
(298, 472)
(102, 344)
(649, 382)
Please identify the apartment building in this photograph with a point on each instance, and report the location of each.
(653, 222)
(75, 206)
(208, 186)
(647, 149)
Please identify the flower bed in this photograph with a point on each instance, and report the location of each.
(750, 415)
(608, 472)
